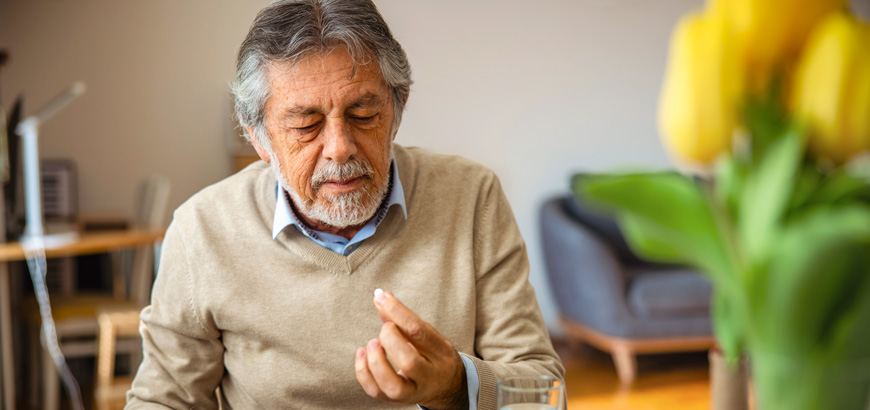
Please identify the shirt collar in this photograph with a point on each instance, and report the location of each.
(286, 216)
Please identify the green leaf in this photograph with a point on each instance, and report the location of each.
(727, 326)
(649, 240)
(808, 181)
(817, 274)
(851, 333)
(665, 217)
(813, 333)
(730, 178)
(766, 123)
(840, 187)
(766, 195)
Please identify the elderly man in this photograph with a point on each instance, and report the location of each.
(264, 293)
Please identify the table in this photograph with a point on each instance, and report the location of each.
(86, 243)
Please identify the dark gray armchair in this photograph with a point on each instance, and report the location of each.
(613, 300)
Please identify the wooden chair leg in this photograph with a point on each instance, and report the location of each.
(574, 344)
(626, 365)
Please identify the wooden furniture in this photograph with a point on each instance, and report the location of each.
(75, 315)
(88, 243)
(110, 391)
(243, 155)
(672, 382)
(7, 371)
(625, 351)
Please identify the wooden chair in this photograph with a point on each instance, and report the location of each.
(75, 316)
(110, 391)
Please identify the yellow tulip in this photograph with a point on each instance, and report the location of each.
(832, 88)
(770, 34)
(699, 96)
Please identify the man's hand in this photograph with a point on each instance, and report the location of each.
(430, 371)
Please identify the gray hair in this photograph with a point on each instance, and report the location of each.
(288, 30)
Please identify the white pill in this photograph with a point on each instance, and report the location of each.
(378, 291)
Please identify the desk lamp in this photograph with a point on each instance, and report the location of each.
(34, 240)
(29, 132)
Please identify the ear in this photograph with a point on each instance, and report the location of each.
(260, 151)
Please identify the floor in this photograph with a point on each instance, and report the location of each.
(665, 382)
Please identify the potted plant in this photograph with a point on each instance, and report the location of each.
(767, 104)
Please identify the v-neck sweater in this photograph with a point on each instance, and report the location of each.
(275, 323)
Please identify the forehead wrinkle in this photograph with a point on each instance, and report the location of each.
(315, 63)
(313, 74)
(368, 99)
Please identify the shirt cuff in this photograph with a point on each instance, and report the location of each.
(472, 380)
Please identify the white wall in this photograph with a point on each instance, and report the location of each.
(157, 99)
(535, 90)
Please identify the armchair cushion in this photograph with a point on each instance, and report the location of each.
(594, 287)
(668, 293)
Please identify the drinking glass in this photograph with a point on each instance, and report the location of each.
(529, 393)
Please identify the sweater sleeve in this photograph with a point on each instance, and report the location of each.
(183, 356)
(511, 338)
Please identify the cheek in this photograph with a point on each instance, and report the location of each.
(377, 149)
(297, 164)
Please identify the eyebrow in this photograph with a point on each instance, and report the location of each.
(300, 111)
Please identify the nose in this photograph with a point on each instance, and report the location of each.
(339, 144)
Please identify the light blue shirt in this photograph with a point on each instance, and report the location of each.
(285, 216)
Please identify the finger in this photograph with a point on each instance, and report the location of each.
(378, 292)
(403, 354)
(424, 337)
(384, 318)
(364, 376)
(395, 387)
(392, 310)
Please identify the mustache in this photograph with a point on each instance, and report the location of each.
(332, 171)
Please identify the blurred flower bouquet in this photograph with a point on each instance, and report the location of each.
(770, 101)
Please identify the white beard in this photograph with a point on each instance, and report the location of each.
(341, 210)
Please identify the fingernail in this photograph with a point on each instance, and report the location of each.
(373, 344)
(360, 353)
(380, 297)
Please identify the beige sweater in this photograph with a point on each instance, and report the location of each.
(276, 323)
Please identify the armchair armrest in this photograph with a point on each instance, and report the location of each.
(587, 278)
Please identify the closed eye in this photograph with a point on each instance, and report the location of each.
(308, 128)
(363, 120)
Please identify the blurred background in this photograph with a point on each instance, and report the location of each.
(534, 90)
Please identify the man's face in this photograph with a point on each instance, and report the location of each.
(331, 133)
